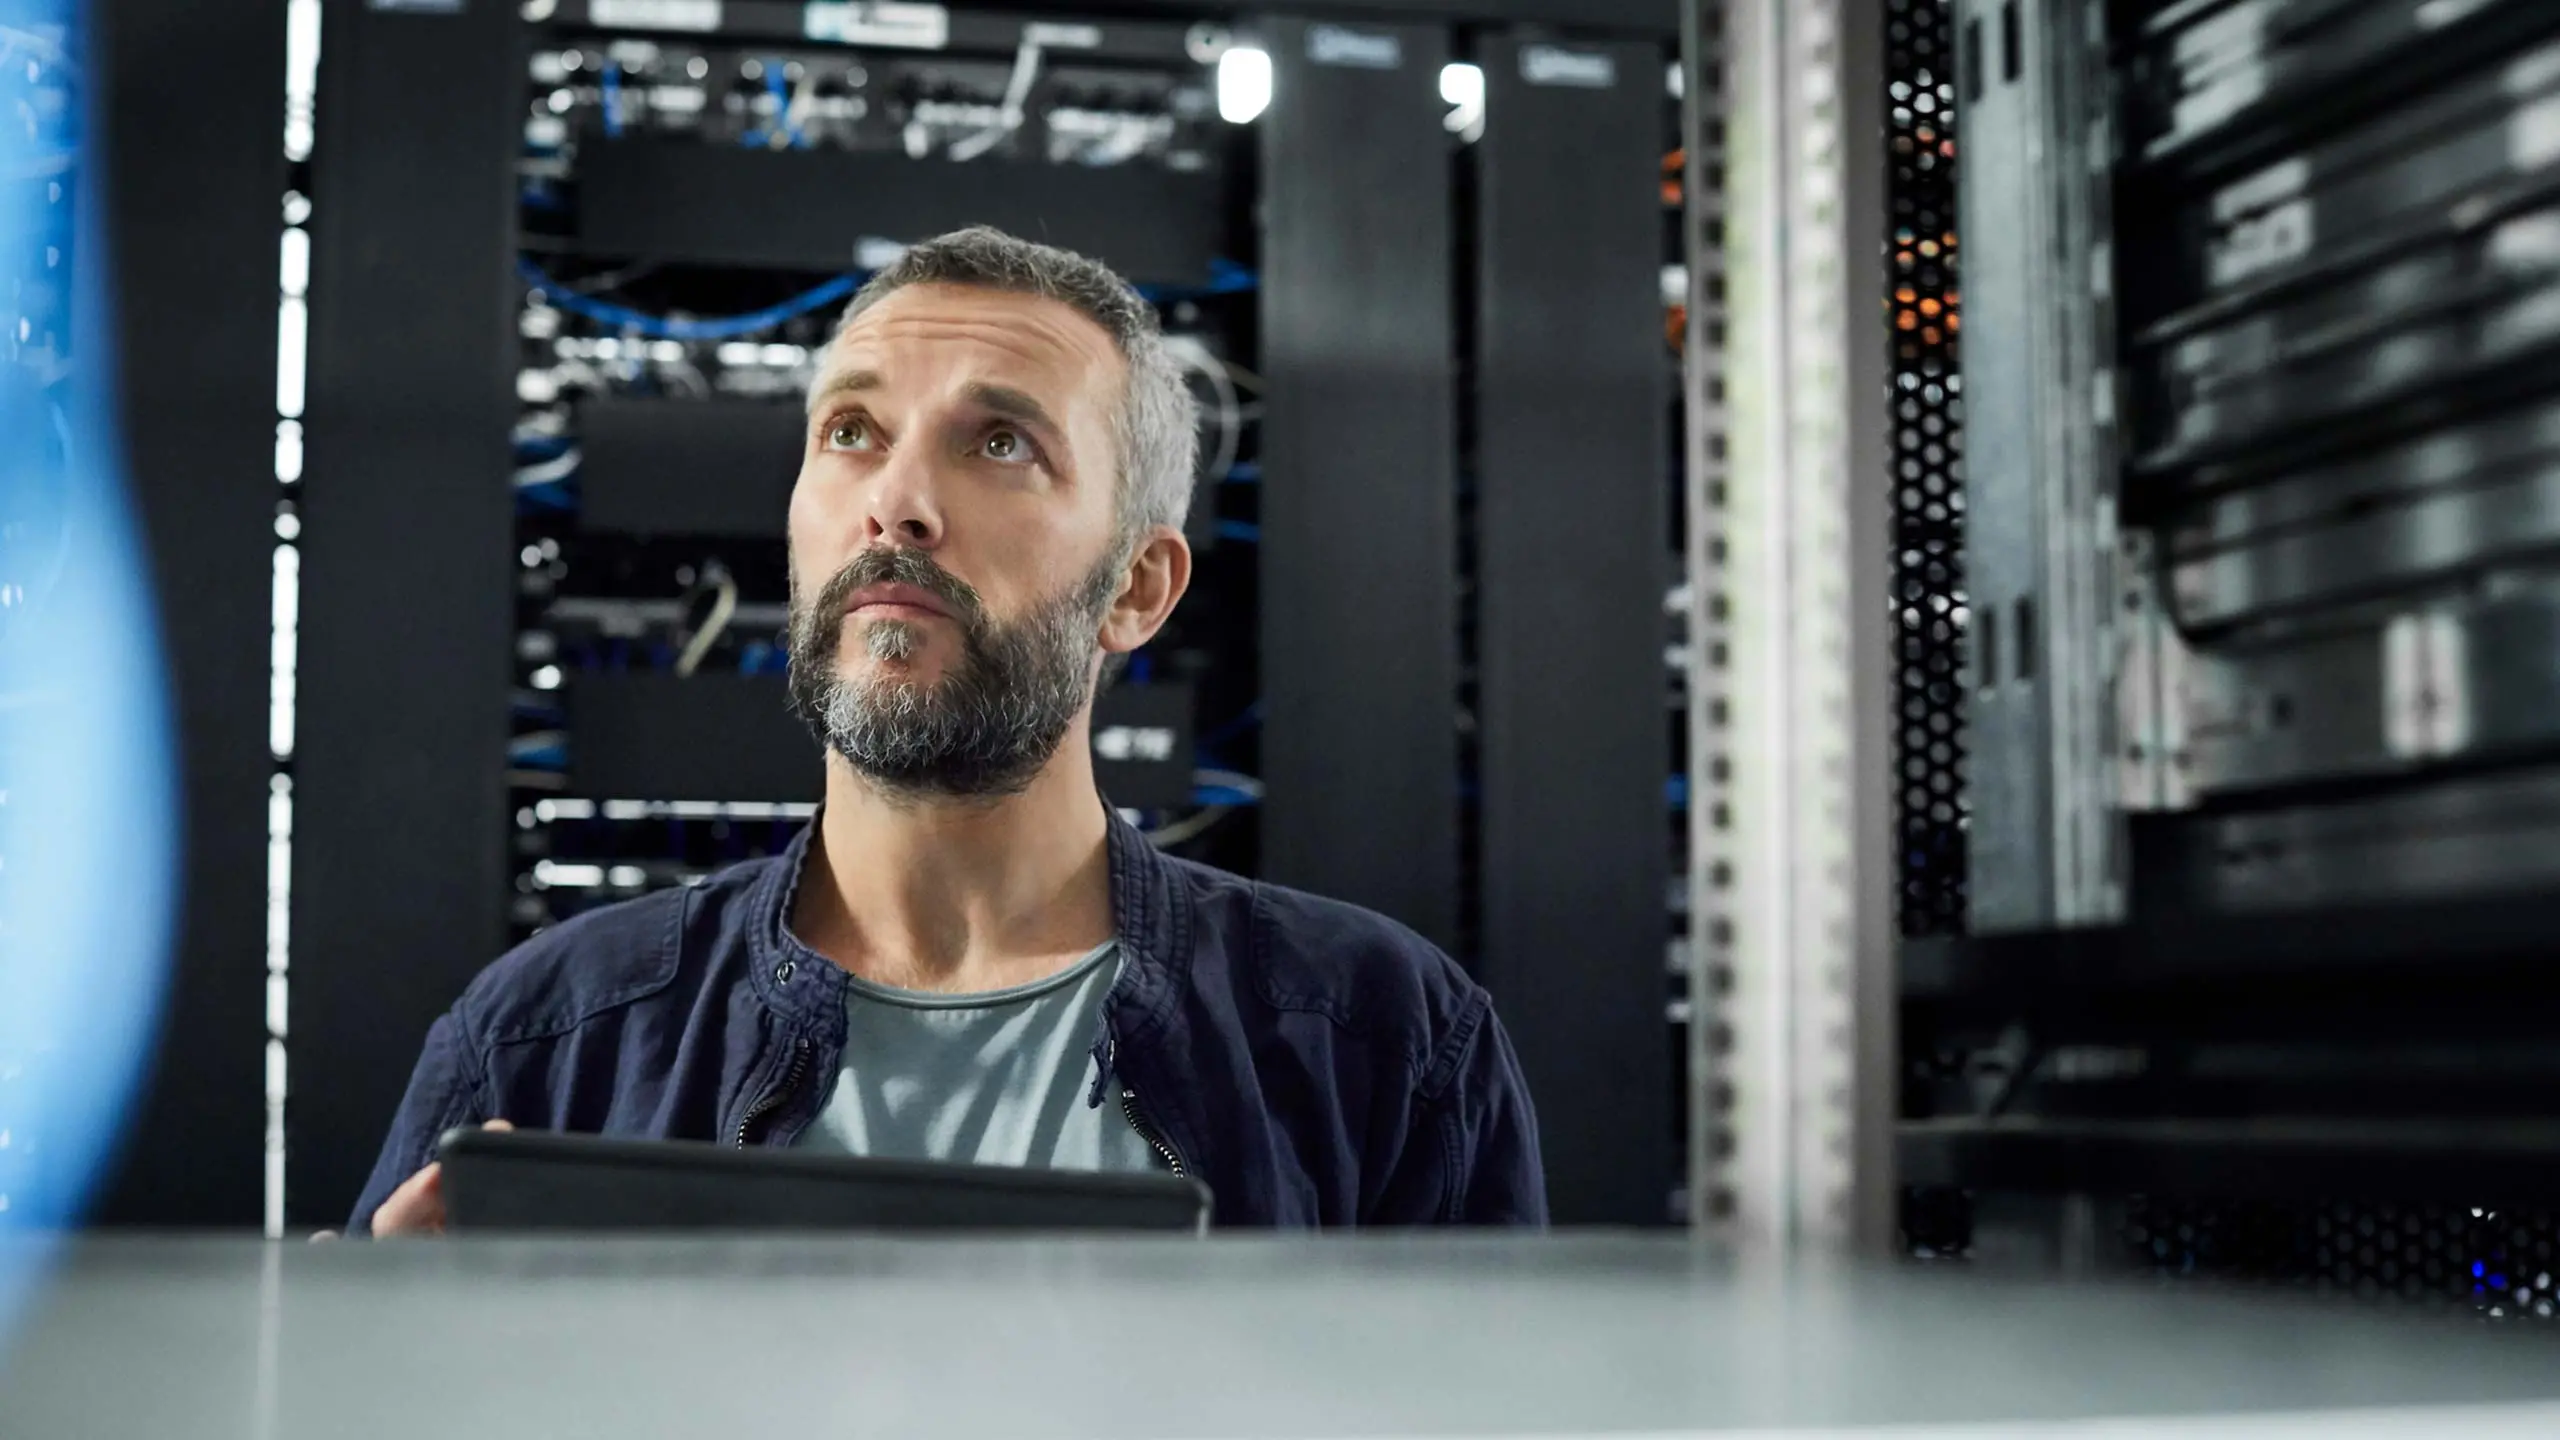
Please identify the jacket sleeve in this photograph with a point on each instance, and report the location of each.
(1471, 1156)
(447, 1089)
(1502, 1179)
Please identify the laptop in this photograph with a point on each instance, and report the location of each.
(503, 1180)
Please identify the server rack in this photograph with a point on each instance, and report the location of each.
(2218, 841)
(405, 523)
(185, 106)
(675, 170)
(1572, 551)
(1362, 410)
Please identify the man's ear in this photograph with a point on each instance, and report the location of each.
(1159, 571)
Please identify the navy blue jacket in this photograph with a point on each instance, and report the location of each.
(1315, 1063)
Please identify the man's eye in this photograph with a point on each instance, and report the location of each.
(1010, 447)
(850, 433)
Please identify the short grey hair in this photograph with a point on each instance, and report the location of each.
(1158, 425)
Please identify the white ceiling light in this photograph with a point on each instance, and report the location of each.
(1244, 84)
(1461, 83)
(1462, 90)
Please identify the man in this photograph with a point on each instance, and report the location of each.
(967, 953)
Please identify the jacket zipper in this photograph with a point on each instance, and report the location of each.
(772, 1099)
(1138, 1122)
(1154, 1138)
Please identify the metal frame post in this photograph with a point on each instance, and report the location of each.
(1794, 1058)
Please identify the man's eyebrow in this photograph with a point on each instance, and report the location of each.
(844, 383)
(1012, 404)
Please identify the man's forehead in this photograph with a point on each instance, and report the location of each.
(982, 329)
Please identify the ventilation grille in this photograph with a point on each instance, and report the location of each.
(1928, 475)
(2497, 1263)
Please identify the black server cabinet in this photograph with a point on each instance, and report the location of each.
(399, 861)
(1359, 588)
(1572, 562)
(190, 104)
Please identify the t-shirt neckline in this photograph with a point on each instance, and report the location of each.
(856, 986)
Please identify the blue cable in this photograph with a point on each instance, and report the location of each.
(1240, 530)
(780, 90)
(658, 327)
(1205, 749)
(1221, 795)
(613, 101)
(1226, 277)
(1233, 728)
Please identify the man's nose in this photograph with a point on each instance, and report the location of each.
(903, 507)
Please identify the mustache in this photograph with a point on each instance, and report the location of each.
(898, 565)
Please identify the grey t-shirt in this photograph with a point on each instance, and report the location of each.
(994, 1078)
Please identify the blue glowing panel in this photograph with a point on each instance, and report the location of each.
(87, 824)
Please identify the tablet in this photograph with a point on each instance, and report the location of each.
(539, 1180)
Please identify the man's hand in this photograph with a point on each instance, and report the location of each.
(417, 1207)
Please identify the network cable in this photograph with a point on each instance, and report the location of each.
(1224, 787)
(660, 327)
(724, 606)
(1226, 277)
(612, 87)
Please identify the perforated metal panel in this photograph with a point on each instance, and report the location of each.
(1927, 440)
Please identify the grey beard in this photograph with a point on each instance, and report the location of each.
(893, 640)
(990, 725)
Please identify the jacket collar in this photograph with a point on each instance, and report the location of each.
(1152, 926)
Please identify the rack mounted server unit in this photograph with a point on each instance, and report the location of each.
(2262, 447)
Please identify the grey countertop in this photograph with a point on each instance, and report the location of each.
(1255, 1339)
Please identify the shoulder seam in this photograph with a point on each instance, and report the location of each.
(1435, 1081)
(1258, 924)
(1259, 929)
(561, 1023)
